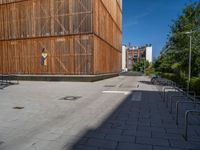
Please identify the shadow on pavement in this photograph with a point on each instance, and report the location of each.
(5, 85)
(8, 80)
(146, 82)
(131, 73)
(141, 122)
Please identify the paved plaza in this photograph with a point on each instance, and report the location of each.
(121, 113)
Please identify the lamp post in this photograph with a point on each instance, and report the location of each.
(190, 56)
(190, 60)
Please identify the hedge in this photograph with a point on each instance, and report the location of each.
(182, 81)
(195, 85)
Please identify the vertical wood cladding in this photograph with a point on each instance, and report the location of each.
(44, 18)
(107, 59)
(108, 25)
(82, 37)
(66, 55)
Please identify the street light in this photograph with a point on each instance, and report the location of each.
(190, 55)
(190, 59)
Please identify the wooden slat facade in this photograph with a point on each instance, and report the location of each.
(66, 55)
(108, 26)
(106, 58)
(9, 1)
(82, 37)
(44, 18)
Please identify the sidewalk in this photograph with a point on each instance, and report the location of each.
(96, 121)
(140, 124)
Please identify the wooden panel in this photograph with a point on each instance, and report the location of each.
(1, 57)
(83, 48)
(113, 7)
(104, 25)
(120, 3)
(9, 1)
(106, 58)
(41, 18)
(66, 29)
(66, 55)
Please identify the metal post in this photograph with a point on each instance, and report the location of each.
(2, 69)
(177, 113)
(186, 125)
(190, 61)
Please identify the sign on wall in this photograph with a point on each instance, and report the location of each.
(44, 58)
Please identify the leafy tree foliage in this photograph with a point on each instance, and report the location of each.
(175, 59)
(141, 65)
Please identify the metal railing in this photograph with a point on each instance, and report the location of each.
(8, 79)
(171, 92)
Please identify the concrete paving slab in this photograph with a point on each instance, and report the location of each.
(96, 121)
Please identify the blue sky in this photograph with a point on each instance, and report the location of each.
(147, 21)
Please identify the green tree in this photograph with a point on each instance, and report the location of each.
(141, 65)
(176, 58)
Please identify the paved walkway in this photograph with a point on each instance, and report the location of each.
(142, 123)
(97, 121)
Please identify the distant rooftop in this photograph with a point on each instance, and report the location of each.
(130, 47)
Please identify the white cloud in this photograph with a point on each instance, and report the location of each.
(135, 20)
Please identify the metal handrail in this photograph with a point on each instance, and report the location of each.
(187, 121)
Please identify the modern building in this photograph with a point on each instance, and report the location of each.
(60, 37)
(149, 53)
(124, 58)
(135, 54)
